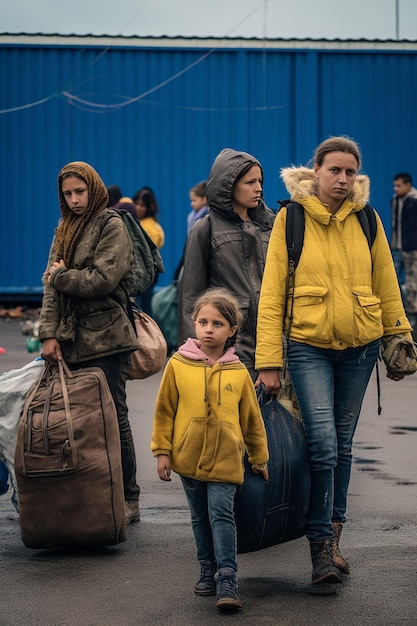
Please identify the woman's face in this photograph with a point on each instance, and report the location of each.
(140, 209)
(336, 177)
(75, 192)
(248, 189)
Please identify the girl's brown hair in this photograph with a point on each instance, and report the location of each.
(199, 189)
(226, 304)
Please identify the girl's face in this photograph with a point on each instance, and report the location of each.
(248, 189)
(336, 177)
(75, 192)
(197, 202)
(213, 330)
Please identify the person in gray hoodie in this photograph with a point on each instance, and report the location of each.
(227, 248)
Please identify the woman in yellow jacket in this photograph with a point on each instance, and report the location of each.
(147, 213)
(345, 298)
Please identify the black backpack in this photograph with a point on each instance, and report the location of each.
(295, 229)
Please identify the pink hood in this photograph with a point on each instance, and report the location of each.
(191, 349)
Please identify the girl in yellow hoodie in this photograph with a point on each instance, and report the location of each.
(345, 299)
(206, 414)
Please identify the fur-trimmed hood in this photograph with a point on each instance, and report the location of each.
(301, 184)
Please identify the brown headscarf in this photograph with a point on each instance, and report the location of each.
(72, 226)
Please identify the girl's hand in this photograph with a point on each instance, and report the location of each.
(51, 350)
(271, 379)
(164, 467)
(54, 267)
(261, 469)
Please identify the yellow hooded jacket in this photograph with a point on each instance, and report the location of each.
(344, 294)
(206, 413)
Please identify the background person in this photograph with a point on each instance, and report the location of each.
(404, 237)
(90, 260)
(345, 299)
(115, 194)
(199, 204)
(147, 212)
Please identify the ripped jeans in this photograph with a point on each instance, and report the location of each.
(330, 386)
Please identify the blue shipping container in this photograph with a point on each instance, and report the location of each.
(156, 111)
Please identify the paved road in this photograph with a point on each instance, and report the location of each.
(149, 578)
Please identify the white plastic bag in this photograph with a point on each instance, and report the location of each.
(14, 386)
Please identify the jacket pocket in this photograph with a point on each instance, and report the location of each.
(310, 316)
(101, 333)
(367, 315)
(187, 453)
(222, 458)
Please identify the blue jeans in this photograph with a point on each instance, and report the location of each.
(397, 257)
(330, 386)
(213, 520)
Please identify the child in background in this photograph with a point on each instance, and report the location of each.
(206, 415)
(199, 204)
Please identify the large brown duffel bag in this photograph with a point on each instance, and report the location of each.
(68, 462)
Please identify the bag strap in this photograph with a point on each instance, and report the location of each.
(128, 308)
(64, 371)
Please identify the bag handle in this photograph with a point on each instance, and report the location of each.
(26, 413)
(64, 371)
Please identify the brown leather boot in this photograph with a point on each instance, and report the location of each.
(338, 559)
(324, 569)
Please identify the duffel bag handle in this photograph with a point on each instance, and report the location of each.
(63, 371)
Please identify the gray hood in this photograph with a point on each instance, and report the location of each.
(227, 167)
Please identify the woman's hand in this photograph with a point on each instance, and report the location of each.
(261, 469)
(164, 467)
(51, 350)
(271, 379)
(54, 267)
(394, 377)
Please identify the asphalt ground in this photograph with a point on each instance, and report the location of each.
(149, 578)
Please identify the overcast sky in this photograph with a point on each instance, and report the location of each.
(330, 19)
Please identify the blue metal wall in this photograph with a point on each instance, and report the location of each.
(101, 105)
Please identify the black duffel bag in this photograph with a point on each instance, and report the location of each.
(271, 512)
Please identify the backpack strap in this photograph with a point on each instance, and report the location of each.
(294, 234)
(367, 220)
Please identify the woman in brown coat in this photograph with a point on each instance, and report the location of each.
(84, 310)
